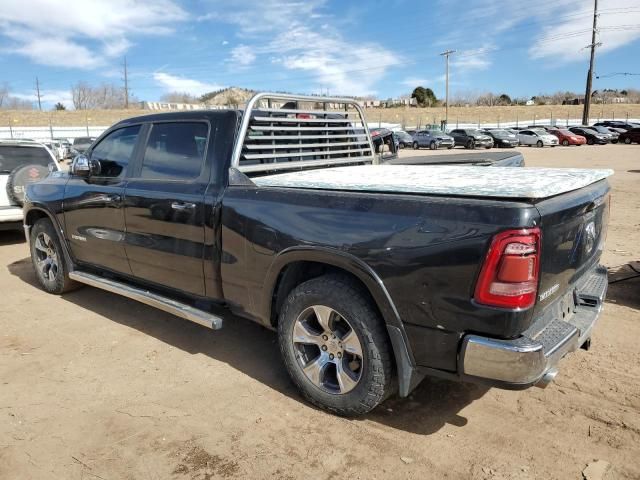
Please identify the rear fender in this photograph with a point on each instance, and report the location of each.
(408, 376)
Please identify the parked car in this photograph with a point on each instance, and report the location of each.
(537, 137)
(502, 137)
(593, 137)
(567, 137)
(433, 139)
(630, 136)
(372, 275)
(618, 124)
(611, 135)
(471, 138)
(66, 146)
(21, 163)
(404, 139)
(80, 144)
(384, 136)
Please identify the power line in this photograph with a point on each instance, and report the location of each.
(587, 94)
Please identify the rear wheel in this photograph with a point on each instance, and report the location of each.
(539, 144)
(416, 145)
(627, 140)
(48, 259)
(470, 144)
(565, 142)
(590, 141)
(334, 346)
(433, 146)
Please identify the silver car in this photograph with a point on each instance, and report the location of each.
(537, 137)
(433, 139)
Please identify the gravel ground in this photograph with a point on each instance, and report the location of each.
(98, 386)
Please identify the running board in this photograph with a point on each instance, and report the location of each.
(149, 298)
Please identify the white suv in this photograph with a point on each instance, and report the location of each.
(21, 163)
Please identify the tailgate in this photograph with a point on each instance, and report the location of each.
(574, 227)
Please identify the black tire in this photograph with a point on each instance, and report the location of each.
(20, 177)
(627, 140)
(416, 146)
(401, 145)
(340, 294)
(590, 141)
(53, 278)
(565, 143)
(470, 145)
(433, 146)
(450, 147)
(488, 147)
(539, 144)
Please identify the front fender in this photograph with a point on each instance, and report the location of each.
(408, 376)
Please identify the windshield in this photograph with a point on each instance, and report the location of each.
(82, 140)
(564, 131)
(435, 133)
(601, 129)
(500, 133)
(473, 131)
(12, 156)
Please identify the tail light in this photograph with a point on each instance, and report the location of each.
(509, 275)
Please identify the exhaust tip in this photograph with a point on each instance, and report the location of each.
(547, 378)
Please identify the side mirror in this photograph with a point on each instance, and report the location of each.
(52, 167)
(83, 166)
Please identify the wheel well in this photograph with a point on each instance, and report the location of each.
(295, 273)
(33, 216)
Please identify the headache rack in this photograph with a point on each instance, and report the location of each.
(287, 132)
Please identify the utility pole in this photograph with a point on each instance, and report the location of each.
(446, 106)
(587, 94)
(126, 85)
(38, 94)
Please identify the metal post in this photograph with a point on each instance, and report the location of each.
(587, 94)
(10, 129)
(446, 106)
(86, 119)
(50, 129)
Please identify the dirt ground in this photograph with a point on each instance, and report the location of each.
(98, 386)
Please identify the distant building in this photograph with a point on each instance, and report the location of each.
(530, 102)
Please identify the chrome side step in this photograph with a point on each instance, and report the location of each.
(149, 298)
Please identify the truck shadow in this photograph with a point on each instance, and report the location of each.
(624, 285)
(432, 405)
(11, 237)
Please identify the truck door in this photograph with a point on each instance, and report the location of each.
(93, 213)
(165, 211)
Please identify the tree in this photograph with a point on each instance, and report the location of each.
(104, 96)
(59, 106)
(504, 99)
(424, 97)
(179, 97)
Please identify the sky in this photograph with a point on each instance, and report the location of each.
(339, 47)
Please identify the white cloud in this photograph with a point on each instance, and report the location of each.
(295, 35)
(559, 42)
(474, 59)
(224, 42)
(80, 33)
(48, 97)
(242, 56)
(172, 83)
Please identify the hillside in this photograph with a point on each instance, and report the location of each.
(407, 116)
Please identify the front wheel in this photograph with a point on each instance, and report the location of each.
(416, 145)
(334, 346)
(590, 141)
(565, 143)
(48, 259)
(539, 144)
(470, 145)
(627, 140)
(433, 146)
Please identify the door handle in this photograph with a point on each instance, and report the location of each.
(183, 205)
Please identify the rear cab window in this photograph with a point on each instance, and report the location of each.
(175, 151)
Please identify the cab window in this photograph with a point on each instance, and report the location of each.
(114, 151)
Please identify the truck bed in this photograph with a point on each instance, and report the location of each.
(498, 182)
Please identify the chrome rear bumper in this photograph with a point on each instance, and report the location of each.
(532, 358)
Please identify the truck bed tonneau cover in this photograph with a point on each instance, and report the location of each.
(497, 182)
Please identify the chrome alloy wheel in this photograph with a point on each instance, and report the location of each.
(46, 257)
(327, 349)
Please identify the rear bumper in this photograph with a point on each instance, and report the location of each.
(534, 356)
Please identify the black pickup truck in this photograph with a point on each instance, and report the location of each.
(373, 275)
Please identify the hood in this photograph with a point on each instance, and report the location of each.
(495, 182)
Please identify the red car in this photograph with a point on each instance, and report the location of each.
(567, 137)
